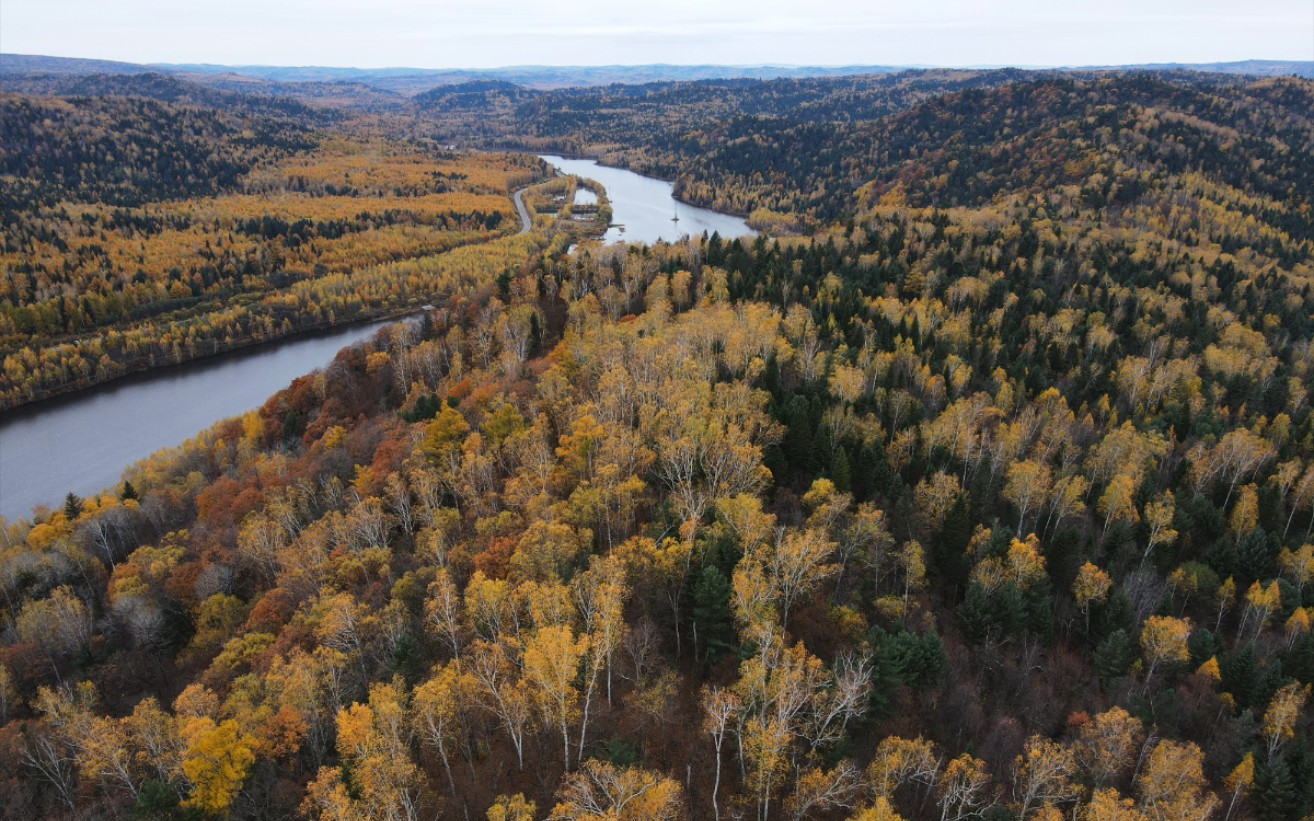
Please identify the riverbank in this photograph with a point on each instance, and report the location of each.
(130, 368)
(600, 162)
(84, 440)
(146, 373)
(82, 443)
(644, 209)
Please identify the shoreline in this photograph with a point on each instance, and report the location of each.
(567, 156)
(142, 374)
(47, 399)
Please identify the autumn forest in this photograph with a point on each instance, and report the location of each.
(978, 484)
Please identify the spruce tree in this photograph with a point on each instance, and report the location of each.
(1114, 655)
(711, 614)
(1275, 791)
(839, 470)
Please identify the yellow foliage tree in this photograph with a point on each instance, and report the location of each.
(1172, 784)
(880, 810)
(512, 808)
(1107, 744)
(1284, 710)
(1091, 586)
(601, 791)
(1163, 640)
(1042, 775)
(216, 763)
(1109, 805)
(552, 665)
(963, 788)
(1240, 781)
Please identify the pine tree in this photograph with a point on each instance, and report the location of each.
(1115, 614)
(1010, 607)
(798, 436)
(1275, 791)
(1255, 556)
(1299, 661)
(1114, 655)
(919, 660)
(1040, 609)
(712, 619)
(839, 470)
(975, 614)
(887, 672)
(1240, 672)
(950, 545)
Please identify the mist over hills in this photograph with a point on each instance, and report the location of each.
(411, 81)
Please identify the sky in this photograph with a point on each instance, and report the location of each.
(488, 33)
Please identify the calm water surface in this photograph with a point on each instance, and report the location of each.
(83, 442)
(642, 207)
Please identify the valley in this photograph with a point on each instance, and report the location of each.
(930, 444)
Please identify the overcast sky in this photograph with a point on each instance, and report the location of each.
(484, 33)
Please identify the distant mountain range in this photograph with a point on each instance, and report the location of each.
(411, 81)
(1255, 68)
(408, 79)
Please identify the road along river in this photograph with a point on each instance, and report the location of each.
(82, 443)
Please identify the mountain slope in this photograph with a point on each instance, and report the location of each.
(991, 497)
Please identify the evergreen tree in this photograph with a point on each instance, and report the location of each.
(1301, 759)
(1114, 614)
(1275, 791)
(949, 550)
(799, 434)
(1040, 609)
(712, 619)
(1010, 608)
(1114, 656)
(885, 679)
(921, 659)
(839, 470)
(1299, 661)
(974, 614)
(1203, 645)
(1250, 557)
(1240, 672)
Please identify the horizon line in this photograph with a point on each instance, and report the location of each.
(767, 65)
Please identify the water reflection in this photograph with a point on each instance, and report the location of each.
(644, 209)
(82, 443)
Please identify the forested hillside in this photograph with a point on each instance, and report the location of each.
(808, 148)
(654, 125)
(128, 150)
(983, 489)
(175, 91)
(140, 233)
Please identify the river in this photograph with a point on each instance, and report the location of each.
(83, 442)
(642, 207)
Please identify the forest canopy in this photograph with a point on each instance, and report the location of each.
(984, 488)
(139, 233)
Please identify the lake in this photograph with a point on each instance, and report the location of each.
(642, 207)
